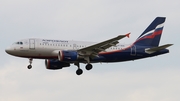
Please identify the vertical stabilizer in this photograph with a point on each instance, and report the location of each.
(152, 35)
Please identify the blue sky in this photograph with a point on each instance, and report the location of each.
(151, 79)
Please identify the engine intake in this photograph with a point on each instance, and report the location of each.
(67, 55)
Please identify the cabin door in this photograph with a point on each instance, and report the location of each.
(31, 43)
(74, 46)
(133, 50)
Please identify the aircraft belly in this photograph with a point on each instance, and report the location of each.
(119, 56)
(39, 54)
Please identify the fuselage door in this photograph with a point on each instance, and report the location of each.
(31, 43)
(133, 50)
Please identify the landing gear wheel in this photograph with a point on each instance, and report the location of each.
(89, 67)
(30, 61)
(79, 71)
(29, 66)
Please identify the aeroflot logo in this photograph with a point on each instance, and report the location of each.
(150, 32)
(55, 40)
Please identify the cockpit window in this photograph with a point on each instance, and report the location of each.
(19, 43)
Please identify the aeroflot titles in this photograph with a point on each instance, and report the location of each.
(55, 40)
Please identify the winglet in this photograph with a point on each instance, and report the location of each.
(128, 35)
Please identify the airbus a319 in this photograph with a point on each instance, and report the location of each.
(59, 54)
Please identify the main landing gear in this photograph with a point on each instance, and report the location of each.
(79, 71)
(89, 66)
(30, 62)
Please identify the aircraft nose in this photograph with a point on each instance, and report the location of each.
(8, 50)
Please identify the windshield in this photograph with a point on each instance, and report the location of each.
(19, 43)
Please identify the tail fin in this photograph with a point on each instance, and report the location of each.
(152, 35)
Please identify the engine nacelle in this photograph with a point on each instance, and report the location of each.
(54, 64)
(67, 55)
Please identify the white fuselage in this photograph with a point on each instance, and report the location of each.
(45, 48)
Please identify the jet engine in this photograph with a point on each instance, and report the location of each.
(54, 64)
(67, 56)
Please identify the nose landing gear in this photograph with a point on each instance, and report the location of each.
(29, 66)
(30, 61)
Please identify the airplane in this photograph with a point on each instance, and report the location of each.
(59, 54)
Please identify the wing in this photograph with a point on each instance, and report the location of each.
(93, 50)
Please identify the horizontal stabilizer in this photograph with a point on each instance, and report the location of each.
(155, 49)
